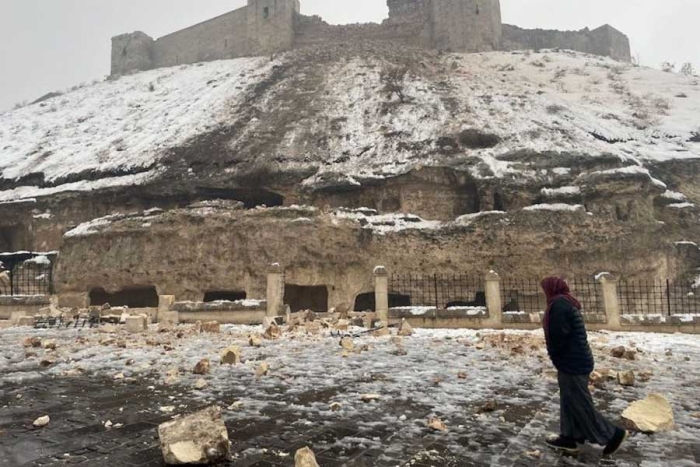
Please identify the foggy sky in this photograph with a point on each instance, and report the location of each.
(48, 45)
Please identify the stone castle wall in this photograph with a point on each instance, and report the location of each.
(261, 27)
(270, 26)
(605, 41)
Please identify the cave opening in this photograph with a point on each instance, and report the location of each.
(132, 297)
(224, 296)
(306, 297)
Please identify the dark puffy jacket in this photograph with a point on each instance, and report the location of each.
(567, 342)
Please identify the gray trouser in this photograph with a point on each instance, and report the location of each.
(580, 420)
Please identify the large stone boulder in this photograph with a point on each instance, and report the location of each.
(650, 415)
(305, 457)
(198, 439)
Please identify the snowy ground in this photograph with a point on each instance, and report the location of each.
(434, 373)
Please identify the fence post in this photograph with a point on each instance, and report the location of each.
(611, 300)
(381, 294)
(494, 302)
(275, 290)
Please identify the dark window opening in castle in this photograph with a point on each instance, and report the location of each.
(266, 12)
(134, 297)
(479, 300)
(224, 296)
(365, 302)
(399, 300)
(301, 297)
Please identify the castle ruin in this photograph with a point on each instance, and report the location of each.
(271, 26)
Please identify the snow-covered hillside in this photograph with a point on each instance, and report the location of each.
(120, 127)
(353, 117)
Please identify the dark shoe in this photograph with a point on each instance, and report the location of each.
(618, 438)
(563, 444)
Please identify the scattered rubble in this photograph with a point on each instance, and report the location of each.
(200, 439)
(201, 384)
(618, 352)
(649, 415)
(255, 340)
(272, 332)
(335, 406)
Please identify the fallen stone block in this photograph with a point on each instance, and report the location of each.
(32, 342)
(436, 424)
(135, 324)
(231, 356)
(626, 378)
(212, 327)
(42, 421)
(618, 352)
(305, 457)
(202, 367)
(255, 340)
(272, 332)
(405, 330)
(347, 343)
(199, 439)
(649, 415)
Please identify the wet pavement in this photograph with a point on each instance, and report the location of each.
(269, 433)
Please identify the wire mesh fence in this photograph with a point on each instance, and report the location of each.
(437, 290)
(27, 278)
(658, 297)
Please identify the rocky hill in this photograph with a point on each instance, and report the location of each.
(535, 161)
(344, 117)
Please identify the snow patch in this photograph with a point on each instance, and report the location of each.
(556, 207)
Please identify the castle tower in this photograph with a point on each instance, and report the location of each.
(271, 25)
(132, 52)
(466, 25)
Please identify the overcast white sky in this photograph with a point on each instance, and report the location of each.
(48, 45)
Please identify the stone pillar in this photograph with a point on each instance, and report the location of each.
(611, 301)
(494, 302)
(275, 290)
(381, 294)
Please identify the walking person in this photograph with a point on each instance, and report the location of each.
(567, 345)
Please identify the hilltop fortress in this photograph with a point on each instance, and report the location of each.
(270, 26)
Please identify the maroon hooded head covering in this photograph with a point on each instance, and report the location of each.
(555, 288)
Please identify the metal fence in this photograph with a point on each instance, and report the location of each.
(437, 290)
(27, 278)
(657, 297)
(526, 295)
(522, 295)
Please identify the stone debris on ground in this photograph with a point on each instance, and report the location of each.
(650, 415)
(211, 327)
(626, 378)
(347, 343)
(370, 397)
(441, 365)
(255, 340)
(405, 329)
(197, 439)
(436, 424)
(42, 421)
(202, 367)
(305, 457)
(262, 370)
(231, 356)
